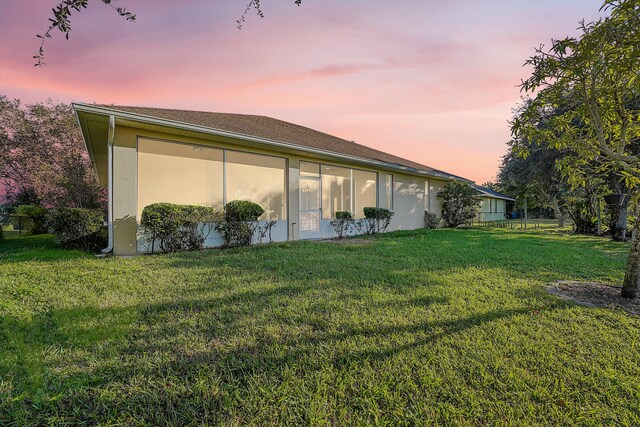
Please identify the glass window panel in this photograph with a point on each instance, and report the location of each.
(336, 190)
(309, 169)
(364, 186)
(309, 194)
(257, 178)
(179, 173)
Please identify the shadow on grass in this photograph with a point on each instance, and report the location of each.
(243, 315)
(148, 365)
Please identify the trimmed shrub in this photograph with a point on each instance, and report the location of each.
(343, 215)
(376, 220)
(242, 210)
(32, 219)
(240, 223)
(78, 228)
(177, 227)
(343, 223)
(430, 220)
(459, 203)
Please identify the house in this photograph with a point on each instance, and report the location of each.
(300, 176)
(493, 205)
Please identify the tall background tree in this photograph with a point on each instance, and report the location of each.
(598, 75)
(43, 159)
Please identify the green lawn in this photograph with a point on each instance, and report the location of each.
(411, 328)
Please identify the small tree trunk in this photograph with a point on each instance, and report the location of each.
(632, 277)
(599, 220)
(561, 219)
(559, 214)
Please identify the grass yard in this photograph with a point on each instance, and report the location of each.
(432, 327)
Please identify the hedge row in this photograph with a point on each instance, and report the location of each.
(176, 227)
(73, 228)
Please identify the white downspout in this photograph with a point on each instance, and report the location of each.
(110, 137)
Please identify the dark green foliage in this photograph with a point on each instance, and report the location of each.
(343, 223)
(242, 210)
(459, 203)
(78, 228)
(376, 220)
(430, 220)
(240, 223)
(377, 213)
(237, 233)
(32, 218)
(176, 227)
(343, 215)
(24, 196)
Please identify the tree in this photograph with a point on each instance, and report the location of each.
(459, 203)
(61, 19)
(597, 74)
(43, 158)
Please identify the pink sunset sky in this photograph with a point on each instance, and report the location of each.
(432, 81)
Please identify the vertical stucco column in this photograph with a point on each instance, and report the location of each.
(381, 199)
(124, 193)
(293, 183)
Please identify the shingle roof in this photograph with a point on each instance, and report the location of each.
(492, 193)
(276, 130)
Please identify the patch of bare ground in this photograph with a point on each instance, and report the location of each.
(349, 241)
(594, 294)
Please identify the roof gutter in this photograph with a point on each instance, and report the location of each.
(87, 108)
(110, 138)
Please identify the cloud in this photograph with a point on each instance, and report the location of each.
(431, 81)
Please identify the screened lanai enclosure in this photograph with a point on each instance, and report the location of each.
(300, 177)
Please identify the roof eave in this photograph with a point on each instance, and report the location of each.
(494, 196)
(88, 108)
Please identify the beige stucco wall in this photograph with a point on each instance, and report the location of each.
(409, 201)
(495, 214)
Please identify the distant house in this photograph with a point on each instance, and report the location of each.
(493, 205)
(299, 175)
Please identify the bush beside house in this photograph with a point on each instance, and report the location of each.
(176, 227)
(459, 203)
(343, 223)
(240, 223)
(430, 220)
(78, 228)
(31, 218)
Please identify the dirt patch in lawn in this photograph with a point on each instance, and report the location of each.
(594, 294)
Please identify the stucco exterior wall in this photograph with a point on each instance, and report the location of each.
(412, 194)
(491, 209)
(409, 202)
